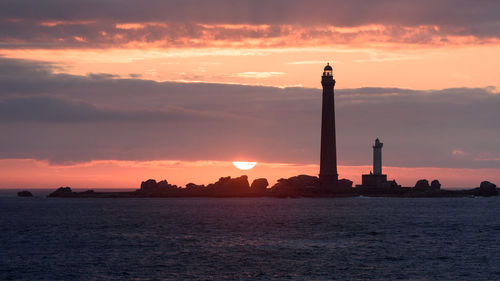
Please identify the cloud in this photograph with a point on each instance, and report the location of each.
(198, 35)
(45, 109)
(94, 24)
(335, 12)
(69, 118)
(320, 62)
(250, 74)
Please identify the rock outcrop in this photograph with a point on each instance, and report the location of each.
(345, 184)
(309, 186)
(230, 186)
(486, 188)
(297, 182)
(193, 186)
(24, 193)
(422, 185)
(149, 185)
(152, 187)
(435, 184)
(259, 185)
(63, 191)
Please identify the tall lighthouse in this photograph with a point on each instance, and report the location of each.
(328, 176)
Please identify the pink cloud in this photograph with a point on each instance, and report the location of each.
(168, 35)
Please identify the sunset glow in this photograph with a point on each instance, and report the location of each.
(249, 139)
(114, 93)
(244, 165)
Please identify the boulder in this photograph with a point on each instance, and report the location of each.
(164, 185)
(63, 191)
(230, 185)
(153, 188)
(345, 184)
(422, 185)
(487, 188)
(486, 185)
(192, 186)
(393, 184)
(435, 184)
(24, 193)
(239, 183)
(297, 182)
(259, 185)
(148, 185)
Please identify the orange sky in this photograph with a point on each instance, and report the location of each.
(129, 174)
(414, 67)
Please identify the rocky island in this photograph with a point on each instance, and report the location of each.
(24, 193)
(297, 186)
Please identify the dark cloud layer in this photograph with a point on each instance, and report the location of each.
(67, 118)
(336, 12)
(45, 109)
(59, 23)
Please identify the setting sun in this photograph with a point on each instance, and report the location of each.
(244, 165)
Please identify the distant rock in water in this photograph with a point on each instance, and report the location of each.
(423, 189)
(486, 185)
(435, 184)
(24, 193)
(422, 185)
(486, 188)
(64, 191)
(259, 185)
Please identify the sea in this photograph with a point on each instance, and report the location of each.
(357, 238)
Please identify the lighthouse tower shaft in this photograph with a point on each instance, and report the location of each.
(377, 157)
(328, 175)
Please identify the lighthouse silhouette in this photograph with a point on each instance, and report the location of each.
(328, 176)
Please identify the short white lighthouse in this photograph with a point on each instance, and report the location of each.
(376, 179)
(377, 157)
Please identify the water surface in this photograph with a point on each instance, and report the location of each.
(251, 238)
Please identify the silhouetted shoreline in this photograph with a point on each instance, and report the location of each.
(295, 187)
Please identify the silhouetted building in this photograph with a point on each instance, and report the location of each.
(377, 179)
(328, 176)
